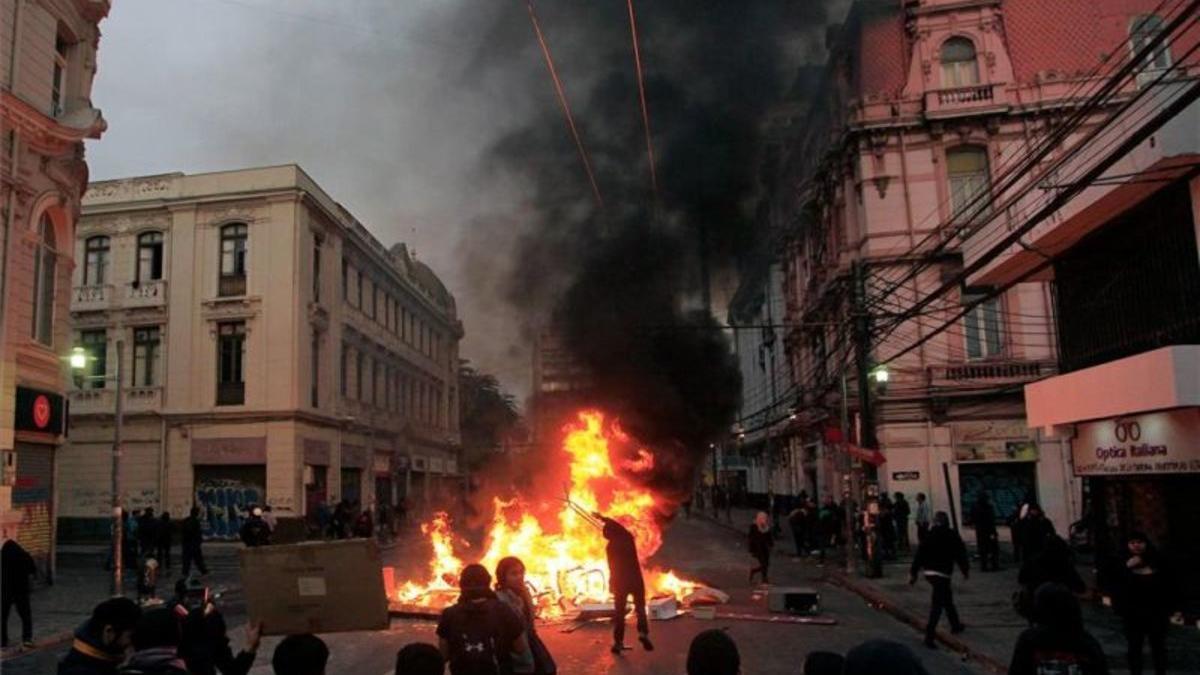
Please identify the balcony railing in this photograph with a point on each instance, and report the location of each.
(89, 401)
(231, 393)
(990, 372)
(231, 285)
(981, 93)
(146, 293)
(90, 298)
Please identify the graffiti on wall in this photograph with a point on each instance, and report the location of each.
(223, 503)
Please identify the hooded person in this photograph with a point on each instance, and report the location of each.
(204, 643)
(1057, 643)
(625, 579)
(882, 657)
(156, 645)
(713, 652)
(479, 634)
(936, 557)
(101, 642)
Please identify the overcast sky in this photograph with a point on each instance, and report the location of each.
(375, 99)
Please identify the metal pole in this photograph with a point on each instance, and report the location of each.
(849, 472)
(118, 530)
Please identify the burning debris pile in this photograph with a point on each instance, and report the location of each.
(563, 551)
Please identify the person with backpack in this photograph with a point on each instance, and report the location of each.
(512, 591)
(624, 580)
(1057, 643)
(478, 635)
(942, 549)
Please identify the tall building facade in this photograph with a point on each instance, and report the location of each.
(47, 62)
(271, 349)
(924, 107)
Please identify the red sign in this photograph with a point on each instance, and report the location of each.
(866, 454)
(41, 411)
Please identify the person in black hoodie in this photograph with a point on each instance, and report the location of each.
(147, 534)
(625, 579)
(255, 531)
(191, 537)
(164, 532)
(478, 634)
(936, 557)
(760, 541)
(16, 567)
(156, 645)
(101, 641)
(204, 644)
(987, 540)
(1055, 564)
(1145, 594)
(1057, 643)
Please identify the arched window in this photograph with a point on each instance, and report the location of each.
(150, 256)
(44, 268)
(1142, 30)
(95, 261)
(970, 181)
(960, 68)
(233, 260)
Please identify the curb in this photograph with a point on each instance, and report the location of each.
(52, 640)
(879, 600)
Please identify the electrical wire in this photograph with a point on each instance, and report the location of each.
(637, 59)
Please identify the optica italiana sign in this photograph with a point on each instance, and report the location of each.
(1151, 443)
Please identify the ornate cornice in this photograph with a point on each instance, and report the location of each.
(48, 135)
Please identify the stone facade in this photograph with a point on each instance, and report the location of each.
(47, 62)
(273, 351)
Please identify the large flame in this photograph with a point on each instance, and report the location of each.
(565, 565)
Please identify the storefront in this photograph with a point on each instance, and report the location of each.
(229, 476)
(40, 422)
(1000, 459)
(316, 475)
(1134, 430)
(354, 465)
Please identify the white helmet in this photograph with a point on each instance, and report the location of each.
(256, 511)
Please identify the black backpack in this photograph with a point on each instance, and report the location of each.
(473, 645)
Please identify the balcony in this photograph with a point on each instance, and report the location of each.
(964, 100)
(231, 393)
(91, 298)
(231, 285)
(104, 401)
(989, 373)
(146, 293)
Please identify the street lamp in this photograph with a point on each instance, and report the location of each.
(79, 359)
(880, 374)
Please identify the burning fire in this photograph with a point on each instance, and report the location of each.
(565, 564)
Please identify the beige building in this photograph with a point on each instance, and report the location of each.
(47, 62)
(272, 350)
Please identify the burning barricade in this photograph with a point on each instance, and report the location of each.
(559, 541)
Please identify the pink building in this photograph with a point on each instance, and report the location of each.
(924, 109)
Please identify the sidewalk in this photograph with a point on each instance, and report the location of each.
(82, 583)
(984, 602)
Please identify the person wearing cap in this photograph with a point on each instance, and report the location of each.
(101, 642)
(479, 634)
(255, 531)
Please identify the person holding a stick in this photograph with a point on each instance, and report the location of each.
(624, 578)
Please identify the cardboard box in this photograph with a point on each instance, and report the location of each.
(315, 587)
(794, 600)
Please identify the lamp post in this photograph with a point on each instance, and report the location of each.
(79, 359)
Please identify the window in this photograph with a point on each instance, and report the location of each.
(970, 181)
(983, 328)
(146, 343)
(58, 86)
(1142, 30)
(374, 300)
(316, 284)
(95, 345)
(233, 260)
(315, 370)
(404, 324)
(95, 261)
(345, 370)
(345, 280)
(150, 256)
(231, 351)
(374, 381)
(960, 68)
(45, 263)
(358, 299)
(358, 376)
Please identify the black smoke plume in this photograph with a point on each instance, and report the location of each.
(622, 283)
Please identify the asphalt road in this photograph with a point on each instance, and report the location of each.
(696, 548)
